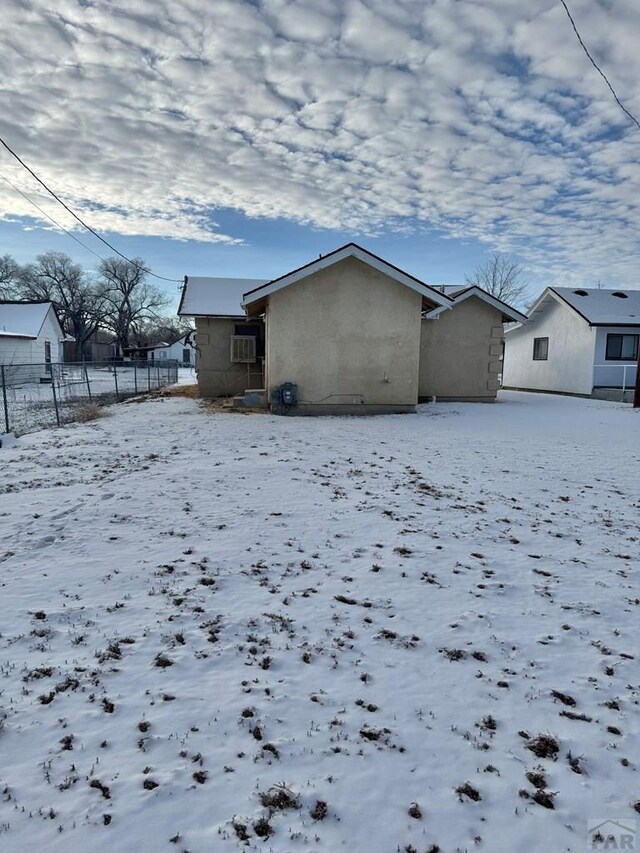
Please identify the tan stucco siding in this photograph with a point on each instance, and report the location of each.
(349, 337)
(217, 375)
(460, 352)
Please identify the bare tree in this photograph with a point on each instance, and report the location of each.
(161, 329)
(502, 277)
(132, 301)
(9, 277)
(79, 302)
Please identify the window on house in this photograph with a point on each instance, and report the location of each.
(622, 347)
(540, 349)
(243, 349)
(47, 356)
(186, 355)
(255, 330)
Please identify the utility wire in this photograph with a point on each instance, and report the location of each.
(81, 221)
(50, 218)
(597, 67)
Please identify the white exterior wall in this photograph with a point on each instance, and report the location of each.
(173, 352)
(31, 351)
(17, 350)
(569, 367)
(612, 375)
(51, 332)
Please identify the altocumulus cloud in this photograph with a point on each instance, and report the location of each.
(481, 118)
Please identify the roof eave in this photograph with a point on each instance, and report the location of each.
(347, 251)
(617, 325)
(216, 316)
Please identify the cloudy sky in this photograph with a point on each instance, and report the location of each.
(246, 136)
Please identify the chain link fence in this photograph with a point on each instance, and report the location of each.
(36, 396)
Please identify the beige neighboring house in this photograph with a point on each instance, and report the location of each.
(349, 333)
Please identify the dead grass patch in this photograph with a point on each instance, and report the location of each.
(544, 798)
(90, 412)
(467, 790)
(543, 746)
(279, 798)
(319, 811)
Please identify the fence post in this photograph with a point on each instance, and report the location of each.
(115, 380)
(4, 399)
(86, 378)
(624, 378)
(148, 377)
(158, 376)
(55, 396)
(135, 376)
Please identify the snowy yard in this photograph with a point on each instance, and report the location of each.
(239, 632)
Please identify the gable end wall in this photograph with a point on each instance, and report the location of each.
(348, 336)
(569, 367)
(460, 353)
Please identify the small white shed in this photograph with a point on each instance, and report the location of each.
(30, 333)
(183, 350)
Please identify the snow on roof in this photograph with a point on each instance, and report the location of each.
(5, 334)
(215, 297)
(22, 319)
(603, 307)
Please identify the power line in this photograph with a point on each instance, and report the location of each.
(597, 67)
(81, 221)
(50, 218)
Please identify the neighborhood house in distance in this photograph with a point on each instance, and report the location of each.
(576, 341)
(30, 333)
(347, 333)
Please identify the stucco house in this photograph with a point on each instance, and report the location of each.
(30, 333)
(347, 333)
(576, 341)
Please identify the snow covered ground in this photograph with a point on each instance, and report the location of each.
(32, 406)
(223, 631)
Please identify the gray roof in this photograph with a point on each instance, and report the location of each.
(459, 294)
(450, 289)
(603, 307)
(215, 297)
(22, 319)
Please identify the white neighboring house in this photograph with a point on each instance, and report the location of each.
(183, 350)
(30, 333)
(576, 341)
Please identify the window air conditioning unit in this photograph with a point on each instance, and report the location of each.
(243, 349)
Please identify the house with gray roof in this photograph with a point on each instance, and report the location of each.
(576, 341)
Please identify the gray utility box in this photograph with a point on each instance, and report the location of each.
(288, 394)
